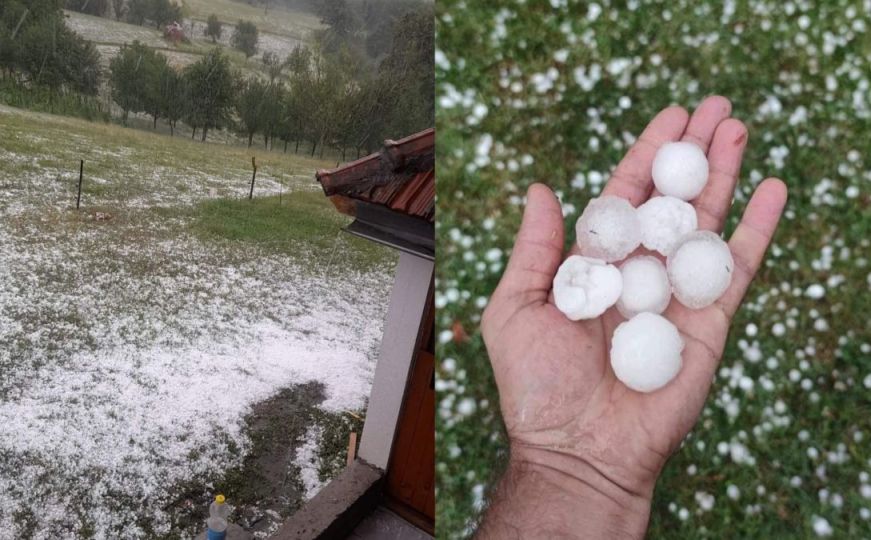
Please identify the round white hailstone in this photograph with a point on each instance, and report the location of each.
(608, 229)
(680, 169)
(821, 526)
(584, 287)
(700, 269)
(645, 286)
(664, 221)
(645, 352)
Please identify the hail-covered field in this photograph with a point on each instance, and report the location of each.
(557, 92)
(109, 34)
(134, 342)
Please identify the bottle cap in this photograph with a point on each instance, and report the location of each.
(220, 499)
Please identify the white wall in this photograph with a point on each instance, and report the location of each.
(398, 348)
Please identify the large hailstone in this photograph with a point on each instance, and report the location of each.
(645, 286)
(645, 352)
(680, 169)
(584, 288)
(664, 221)
(700, 269)
(608, 229)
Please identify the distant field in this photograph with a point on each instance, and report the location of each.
(110, 34)
(139, 333)
(294, 24)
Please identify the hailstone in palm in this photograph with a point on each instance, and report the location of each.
(700, 269)
(680, 169)
(584, 287)
(608, 229)
(645, 286)
(646, 352)
(664, 221)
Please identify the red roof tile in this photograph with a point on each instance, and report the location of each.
(401, 176)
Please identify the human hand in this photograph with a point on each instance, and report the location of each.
(586, 450)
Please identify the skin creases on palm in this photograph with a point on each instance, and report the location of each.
(557, 390)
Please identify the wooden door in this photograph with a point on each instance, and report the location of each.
(411, 474)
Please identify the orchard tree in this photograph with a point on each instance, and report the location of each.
(211, 91)
(124, 78)
(299, 61)
(245, 38)
(214, 28)
(250, 108)
(134, 76)
(152, 70)
(173, 96)
(274, 65)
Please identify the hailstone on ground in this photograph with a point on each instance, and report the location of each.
(645, 352)
(645, 286)
(700, 269)
(680, 169)
(584, 287)
(664, 221)
(608, 229)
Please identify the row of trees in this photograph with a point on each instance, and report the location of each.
(323, 97)
(201, 95)
(36, 47)
(328, 96)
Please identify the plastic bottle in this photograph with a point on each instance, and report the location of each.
(217, 522)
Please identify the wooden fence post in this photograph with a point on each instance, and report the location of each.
(253, 176)
(81, 173)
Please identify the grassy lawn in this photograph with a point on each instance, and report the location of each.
(528, 92)
(283, 223)
(145, 337)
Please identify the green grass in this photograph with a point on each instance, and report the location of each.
(493, 83)
(304, 219)
(44, 99)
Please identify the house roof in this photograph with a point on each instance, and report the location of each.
(391, 193)
(401, 177)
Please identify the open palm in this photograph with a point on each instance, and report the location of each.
(561, 402)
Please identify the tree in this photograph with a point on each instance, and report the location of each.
(123, 78)
(138, 11)
(135, 79)
(163, 12)
(173, 97)
(35, 42)
(214, 28)
(210, 88)
(272, 109)
(151, 72)
(159, 12)
(274, 65)
(245, 38)
(249, 108)
(299, 60)
(406, 77)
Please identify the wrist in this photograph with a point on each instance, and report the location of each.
(547, 494)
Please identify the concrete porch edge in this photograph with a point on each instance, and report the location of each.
(338, 507)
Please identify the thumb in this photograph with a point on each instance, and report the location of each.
(538, 249)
